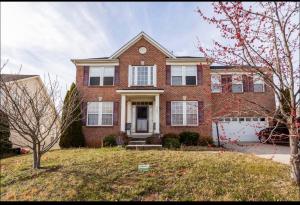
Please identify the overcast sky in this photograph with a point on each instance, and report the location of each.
(44, 36)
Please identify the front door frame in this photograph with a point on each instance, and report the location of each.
(136, 119)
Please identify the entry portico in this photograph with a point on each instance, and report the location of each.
(140, 110)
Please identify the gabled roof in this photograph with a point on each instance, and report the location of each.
(137, 38)
(13, 77)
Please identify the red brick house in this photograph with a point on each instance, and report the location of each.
(144, 89)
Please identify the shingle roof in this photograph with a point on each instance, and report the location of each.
(12, 77)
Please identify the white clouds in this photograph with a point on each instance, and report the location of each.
(44, 36)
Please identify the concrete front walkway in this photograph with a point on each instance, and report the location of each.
(278, 153)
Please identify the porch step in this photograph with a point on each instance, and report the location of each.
(144, 146)
(137, 142)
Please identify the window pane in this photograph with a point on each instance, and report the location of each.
(177, 107)
(216, 79)
(177, 119)
(191, 119)
(237, 79)
(109, 72)
(92, 119)
(241, 119)
(93, 107)
(258, 87)
(176, 71)
(108, 81)
(262, 119)
(94, 80)
(96, 71)
(107, 107)
(227, 119)
(248, 119)
(234, 119)
(237, 88)
(142, 76)
(192, 107)
(190, 80)
(106, 119)
(191, 71)
(216, 88)
(176, 80)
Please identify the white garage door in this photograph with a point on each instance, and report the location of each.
(242, 129)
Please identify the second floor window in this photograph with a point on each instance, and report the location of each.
(101, 76)
(142, 76)
(237, 83)
(258, 83)
(184, 75)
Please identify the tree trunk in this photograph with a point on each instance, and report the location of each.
(295, 157)
(36, 158)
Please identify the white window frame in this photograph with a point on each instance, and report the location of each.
(235, 81)
(183, 74)
(133, 75)
(258, 80)
(184, 111)
(101, 75)
(218, 83)
(99, 113)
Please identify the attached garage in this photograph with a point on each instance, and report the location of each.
(242, 129)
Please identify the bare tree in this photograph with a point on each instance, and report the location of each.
(264, 36)
(34, 114)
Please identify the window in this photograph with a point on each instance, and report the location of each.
(142, 75)
(227, 119)
(184, 113)
(237, 83)
(184, 75)
(241, 119)
(100, 113)
(262, 119)
(216, 83)
(102, 75)
(258, 83)
(234, 119)
(248, 119)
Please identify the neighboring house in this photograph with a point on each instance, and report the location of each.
(31, 83)
(144, 89)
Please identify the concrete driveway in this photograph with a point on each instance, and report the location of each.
(278, 153)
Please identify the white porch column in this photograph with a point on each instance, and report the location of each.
(156, 116)
(123, 112)
(128, 114)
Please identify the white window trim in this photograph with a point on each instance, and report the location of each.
(183, 76)
(101, 75)
(184, 114)
(100, 115)
(132, 80)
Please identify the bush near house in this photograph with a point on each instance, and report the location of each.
(109, 141)
(205, 141)
(189, 138)
(171, 140)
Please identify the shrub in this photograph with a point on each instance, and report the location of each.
(171, 140)
(189, 138)
(124, 138)
(109, 141)
(171, 143)
(205, 141)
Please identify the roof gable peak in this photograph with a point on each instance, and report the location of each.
(142, 34)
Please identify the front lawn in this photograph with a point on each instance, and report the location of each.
(111, 174)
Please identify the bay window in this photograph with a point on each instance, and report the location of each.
(101, 76)
(100, 113)
(184, 113)
(184, 75)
